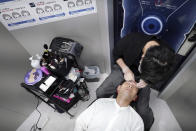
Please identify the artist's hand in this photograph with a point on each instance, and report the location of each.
(141, 84)
(129, 76)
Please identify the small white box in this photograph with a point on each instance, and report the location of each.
(43, 87)
(50, 81)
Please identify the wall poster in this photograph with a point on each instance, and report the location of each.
(16, 14)
(170, 20)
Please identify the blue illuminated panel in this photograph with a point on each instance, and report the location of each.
(170, 20)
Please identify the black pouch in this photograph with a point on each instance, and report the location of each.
(66, 46)
(63, 93)
(66, 88)
(63, 68)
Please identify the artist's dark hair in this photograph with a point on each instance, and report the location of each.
(157, 64)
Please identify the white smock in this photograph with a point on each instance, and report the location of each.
(106, 115)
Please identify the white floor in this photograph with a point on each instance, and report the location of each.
(54, 121)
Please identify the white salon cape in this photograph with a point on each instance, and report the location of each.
(106, 115)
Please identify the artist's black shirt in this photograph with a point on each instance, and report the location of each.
(129, 48)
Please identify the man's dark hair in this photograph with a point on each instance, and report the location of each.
(157, 64)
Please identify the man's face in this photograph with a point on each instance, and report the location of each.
(128, 89)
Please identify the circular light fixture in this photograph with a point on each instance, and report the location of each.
(151, 25)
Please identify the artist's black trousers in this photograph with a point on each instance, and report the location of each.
(109, 86)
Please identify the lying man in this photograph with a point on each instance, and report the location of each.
(109, 114)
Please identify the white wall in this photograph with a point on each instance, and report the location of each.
(15, 102)
(92, 31)
(180, 94)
